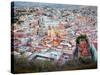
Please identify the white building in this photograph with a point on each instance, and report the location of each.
(46, 21)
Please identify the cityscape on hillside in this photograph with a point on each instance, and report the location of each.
(53, 37)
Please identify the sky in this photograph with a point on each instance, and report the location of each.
(21, 4)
